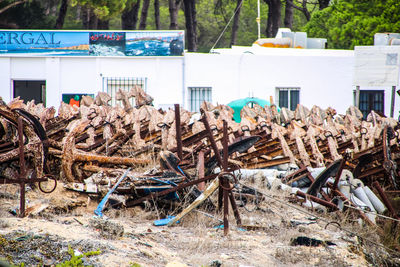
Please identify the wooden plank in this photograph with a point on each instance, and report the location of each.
(210, 189)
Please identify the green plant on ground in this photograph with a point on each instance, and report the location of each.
(76, 260)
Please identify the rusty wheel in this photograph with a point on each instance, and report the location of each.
(34, 137)
(48, 186)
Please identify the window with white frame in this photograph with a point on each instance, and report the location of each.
(197, 96)
(112, 84)
(288, 97)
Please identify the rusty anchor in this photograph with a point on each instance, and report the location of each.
(70, 155)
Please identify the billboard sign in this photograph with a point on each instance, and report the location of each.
(91, 43)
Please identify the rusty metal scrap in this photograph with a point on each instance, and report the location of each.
(96, 137)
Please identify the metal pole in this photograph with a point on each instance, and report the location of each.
(201, 186)
(211, 138)
(258, 19)
(392, 104)
(22, 171)
(178, 131)
(225, 146)
(357, 96)
(225, 183)
(385, 200)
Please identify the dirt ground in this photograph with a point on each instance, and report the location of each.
(68, 221)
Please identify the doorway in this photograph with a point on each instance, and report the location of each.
(30, 90)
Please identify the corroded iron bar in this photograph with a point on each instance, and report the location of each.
(225, 181)
(22, 171)
(170, 190)
(317, 200)
(88, 157)
(225, 146)
(385, 199)
(211, 138)
(201, 186)
(226, 204)
(235, 209)
(339, 172)
(178, 131)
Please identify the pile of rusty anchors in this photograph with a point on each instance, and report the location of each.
(222, 182)
(27, 127)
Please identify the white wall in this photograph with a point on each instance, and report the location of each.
(324, 80)
(5, 80)
(65, 75)
(325, 77)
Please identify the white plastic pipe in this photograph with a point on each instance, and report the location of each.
(316, 171)
(360, 193)
(356, 201)
(266, 172)
(376, 202)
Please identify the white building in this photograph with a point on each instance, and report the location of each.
(307, 76)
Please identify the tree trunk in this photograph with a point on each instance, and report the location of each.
(103, 24)
(323, 4)
(303, 8)
(289, 14)
(235, 25)
(173, 13)
(305, 11)
(61, 14)
(191, 24)
(157, 14)
(143, 16)
(129, 16)
(89, 19)
(274, 17)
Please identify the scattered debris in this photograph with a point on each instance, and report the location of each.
(309, 242)
(107, 228)
(129, 156)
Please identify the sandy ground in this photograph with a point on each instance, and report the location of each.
(193, 242)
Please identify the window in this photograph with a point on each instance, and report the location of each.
(30, 90)
(288, 97)
(112, 84)
(371, 100)
(197, 96)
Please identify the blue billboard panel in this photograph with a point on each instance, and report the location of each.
(92, 43)
(44, 43)
(154, 43)
(107, 43)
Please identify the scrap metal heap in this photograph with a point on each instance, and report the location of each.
(88, 147)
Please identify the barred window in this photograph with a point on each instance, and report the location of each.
(288, 97)
(197, 96)
(112, 84)
(371, 100)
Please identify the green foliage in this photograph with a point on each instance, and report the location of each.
(5, 263)
(135, 265)
(211, 24)
(42, 14)
(104, 9)
(348, 23)
(30, 15)
(76, 261)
